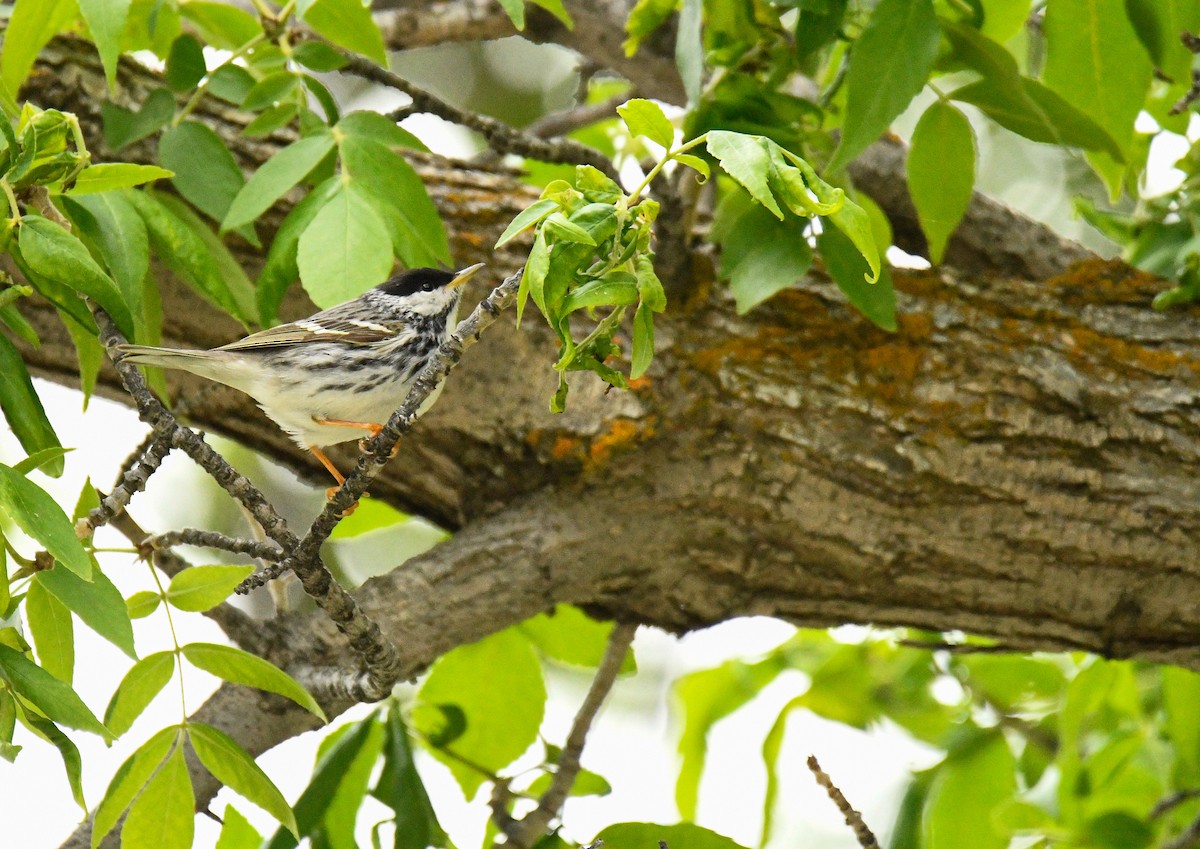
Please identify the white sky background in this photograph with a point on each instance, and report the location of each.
(633, 742)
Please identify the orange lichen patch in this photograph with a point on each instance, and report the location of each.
(1101, 281)
(565, 446)
(620, 433)
(915, 325)
(768, 343)
(639, 383)
(1088, 346)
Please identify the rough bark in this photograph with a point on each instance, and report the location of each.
(1019, 460)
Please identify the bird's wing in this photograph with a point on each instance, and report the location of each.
(337, 324)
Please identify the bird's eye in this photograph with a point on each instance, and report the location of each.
(427, 287)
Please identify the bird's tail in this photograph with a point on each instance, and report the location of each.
(174, 358)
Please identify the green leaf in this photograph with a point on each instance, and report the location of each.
(941, 173)
(400, 788)
(29, 29)
(96, 602)
(270, 120)
(1117, 830)
(129, 780)
(889, 65)
(221, 25)
(707, 696)
(48, 694)
(270, 89)
(380, 173)
(53, 633)
(560, 229)
(185, 64)
(201, 588)
(568, 635)
(184, 252)
(646, 118)
(275, 178)
(1094, 60)
(760, 256)
(354, 739)
(123, 127)
(119, 175)
(772, 743)
(280, 271)
(601, 293)
(118, 234)
(164, 814)
(1181, 694)
(643, 342)
(38, 515)
(67, 750)
(689, 48)
(206, 173)
(533, 278)
(240, 667)
(525, 219)
(22, 407)
(142, 604)
(347, 23)
(498, 730)
(970, 785)
(645, 17)
(515, 9)
(319, 56)
(38, 459)
(344, 251)
(232, 766)
(1038, 114)
(237, 832)
(849, 270)
(144, 680)
(646, 835)
(231, 83)
(695, 163)
(106, 22)
(745, 158)
(376, 127)
(59, 256)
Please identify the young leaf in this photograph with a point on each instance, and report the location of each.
(48, 694)
(525, 219)
(568, 635)
(96, 602)
(54, 253)
(889, 65)
(164, 814)
(376, 127)
(646, 118)
(117, 175)
(232, 766)
(745, 159)
(38, 515)
(38, 459)
(144, 680)
(142, 604)
(106, 21)
(201, 588)
(280, 269)
(347, 23)
(275, 177)
(53, 634)
(22, 407)
(515, 9)
(240, 667)
(344, 251)
(128, 782)
(237, 832)
(496, 732)
(760, 256)
(941, 173)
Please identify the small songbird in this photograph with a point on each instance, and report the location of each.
(329, 377)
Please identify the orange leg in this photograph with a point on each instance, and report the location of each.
(372, 428)
(337, 476)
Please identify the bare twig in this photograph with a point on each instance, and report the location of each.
(1187, 839)
(957, 648)
(854, 819)
(135, 472)
(213, 539)
(561, 123)
(524, 833)
(500, 136)
(1173, 801)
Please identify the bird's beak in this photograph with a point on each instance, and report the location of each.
(464, 275)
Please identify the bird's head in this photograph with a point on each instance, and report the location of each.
(427, 291)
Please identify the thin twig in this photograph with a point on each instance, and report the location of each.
(1173, 801)
(524, 833)
(1187, 839)
(561, 123)
(213, 539)
(500, 136)
(866, 837)
(957, 648)
(135, 473)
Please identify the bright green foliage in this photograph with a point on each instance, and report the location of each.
(568, 635)
(95, 601)
(941, 173)
(22, 407)
(37, 514)
(240, 667)
(129, 780)
(52, 631)
(163, 814)
(144, 680)
(201, 588)
(237, 832)
(638, 835)
(230, 765)
(54, 698)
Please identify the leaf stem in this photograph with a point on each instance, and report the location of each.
(12, 200)
(174, 639)
(683, 148)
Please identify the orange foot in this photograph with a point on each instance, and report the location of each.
(337, 476)
(373, 429)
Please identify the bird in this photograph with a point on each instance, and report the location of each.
(340, 372)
